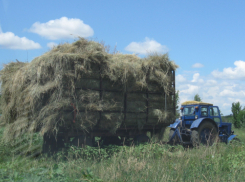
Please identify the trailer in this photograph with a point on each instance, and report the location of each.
(131, 129)
(200, 123)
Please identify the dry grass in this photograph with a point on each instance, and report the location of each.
(38, 96)
(195, 102)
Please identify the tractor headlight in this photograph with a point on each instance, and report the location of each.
(196, 116)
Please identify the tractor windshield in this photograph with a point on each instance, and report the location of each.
(189, 111)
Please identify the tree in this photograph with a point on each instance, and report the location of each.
(235, 109)
(197, 98)
(241, 117)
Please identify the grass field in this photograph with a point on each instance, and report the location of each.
(149, 162)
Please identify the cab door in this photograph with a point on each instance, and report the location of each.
(204, 111)
(189, 115)
(214, 114)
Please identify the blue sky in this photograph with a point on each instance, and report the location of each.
(205, 38)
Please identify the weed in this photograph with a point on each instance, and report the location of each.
(145, 162)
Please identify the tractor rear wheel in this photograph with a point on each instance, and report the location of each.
(175, 140)
(205, 134)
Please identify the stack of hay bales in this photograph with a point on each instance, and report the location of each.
(42, 95)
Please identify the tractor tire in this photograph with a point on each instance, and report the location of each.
(235, 141)
(175, 140)
(205, 134)
(141, 139)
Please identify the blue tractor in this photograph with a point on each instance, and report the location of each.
(199, 123)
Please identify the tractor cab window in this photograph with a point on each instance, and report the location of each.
(189, 111)
(214, 111)
(204, 111)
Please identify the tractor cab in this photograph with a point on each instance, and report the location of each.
(199, 123)
(191, 111)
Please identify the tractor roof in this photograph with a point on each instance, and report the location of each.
(195, 103)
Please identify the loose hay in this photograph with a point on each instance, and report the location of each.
(195, 102)
(38, 96)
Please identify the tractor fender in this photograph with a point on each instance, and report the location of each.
(175, 124)
(230, 138)
(197, 122)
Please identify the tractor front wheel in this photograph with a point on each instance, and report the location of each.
(205, 134)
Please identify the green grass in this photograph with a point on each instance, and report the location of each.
(149, 162)
(240, 133)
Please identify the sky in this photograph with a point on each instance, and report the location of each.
(205, 37)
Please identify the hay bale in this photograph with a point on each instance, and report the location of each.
(41, 95)
(111, 121)
(195, 102)
(135, 119)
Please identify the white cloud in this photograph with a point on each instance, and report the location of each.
(228, 93)
(211, 82)
(62, 29)
(226, 105)
(197, 65)
(232, 73)
(201, 81)
(231, 93)
(212, 90)
(192, 89)
(180, 78)
(9, 40)
(195, 77)
(146, 47)
(51, 45)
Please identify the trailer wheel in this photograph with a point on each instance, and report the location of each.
(141, 139)
(158, 136)
(205, 134)
(82, 141)
(175, 140)
(52, 144)
(111, 140)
